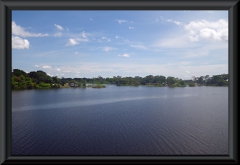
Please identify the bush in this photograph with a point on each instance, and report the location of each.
(191, 84)
(44, 85)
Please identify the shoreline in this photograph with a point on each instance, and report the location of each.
(62, 87)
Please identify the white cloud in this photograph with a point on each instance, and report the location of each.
(46, 67)
(20, 31)
(84, 34)
(131, 27)
(72, 42)
(106, 39)
(93, 69)
(201, 70)
(107, 49)
(76, 53)
(75, 41)
(203, 29)
(19, 43)
(82, 39)
(208, 30)
(59, 34)
(121, 21)
(187, 71)
(37, 66)
(176, 22)
(67, 71)
(124, 55)
(173, 42)
(139, 47)
(58, 69)
(58, 27)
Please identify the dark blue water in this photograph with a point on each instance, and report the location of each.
(120, 121)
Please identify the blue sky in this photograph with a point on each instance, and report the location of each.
(76, 44)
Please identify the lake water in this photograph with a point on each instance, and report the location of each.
(120, 120)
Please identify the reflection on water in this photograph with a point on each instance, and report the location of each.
(96, 102)
(120, 121)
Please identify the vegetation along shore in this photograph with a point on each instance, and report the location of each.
(40, 80)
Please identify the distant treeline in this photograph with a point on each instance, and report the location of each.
(40, 80)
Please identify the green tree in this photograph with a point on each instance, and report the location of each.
(18, 72)
(84, 83)
(170, 80)
(200, 80)
(182, 83)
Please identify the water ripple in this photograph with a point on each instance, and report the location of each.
(95, 102)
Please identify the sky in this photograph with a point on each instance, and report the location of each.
(77, 44)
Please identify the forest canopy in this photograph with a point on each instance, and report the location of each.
(41, 80)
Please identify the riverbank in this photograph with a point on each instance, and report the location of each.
(41, 80)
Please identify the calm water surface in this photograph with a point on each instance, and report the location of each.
(120, 121)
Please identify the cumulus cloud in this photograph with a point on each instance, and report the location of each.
(46, 67)
(124, 55)
(19, 43)
(58, 27)
(208, 30)
(131, 27)
(20, 31)
(121, 21)
(72, 42)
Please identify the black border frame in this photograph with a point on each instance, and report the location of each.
(6, 6)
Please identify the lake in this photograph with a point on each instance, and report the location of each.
(120, 120)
